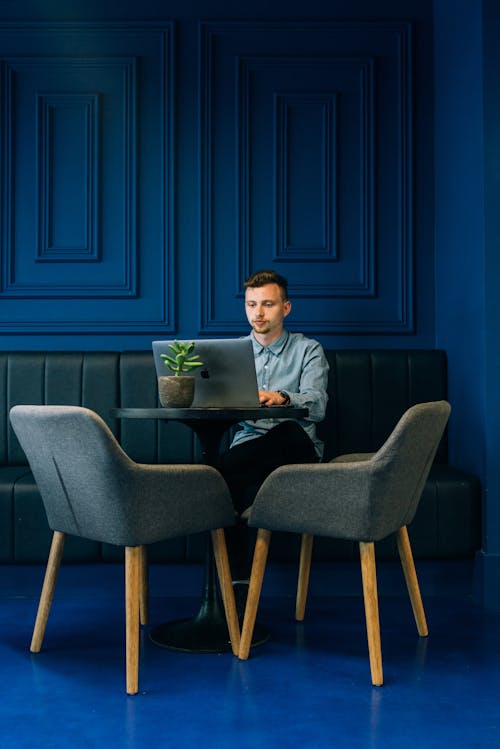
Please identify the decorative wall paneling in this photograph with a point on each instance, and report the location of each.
(305, 164)
(306, 143)
(87, 170)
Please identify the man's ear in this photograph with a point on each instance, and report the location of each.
(287, 308)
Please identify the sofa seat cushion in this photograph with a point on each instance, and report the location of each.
(9, 475)
(448, 520)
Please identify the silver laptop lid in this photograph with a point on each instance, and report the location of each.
(227, 377)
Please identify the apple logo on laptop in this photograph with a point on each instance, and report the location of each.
(205, 374)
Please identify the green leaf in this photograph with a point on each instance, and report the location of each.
(170, 363)
(192, 364)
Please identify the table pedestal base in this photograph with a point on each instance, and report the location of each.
(207, 631)
(204, 633)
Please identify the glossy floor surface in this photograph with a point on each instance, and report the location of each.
(309, 686)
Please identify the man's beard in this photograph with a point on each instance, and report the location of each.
(262, 327)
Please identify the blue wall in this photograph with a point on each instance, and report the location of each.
(150, 166)
(491, 561)
(459, 209)
(147, 166)
(467, 120)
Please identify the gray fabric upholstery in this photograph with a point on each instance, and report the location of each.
(91, 488)
(362, 497)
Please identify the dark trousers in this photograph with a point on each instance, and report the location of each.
(245, 467)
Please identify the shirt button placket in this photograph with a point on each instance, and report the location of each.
(266, 372)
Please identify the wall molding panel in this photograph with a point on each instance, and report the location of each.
(61, 115)
(86, 247)
(306, 165)
(311, 117)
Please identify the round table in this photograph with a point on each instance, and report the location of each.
(207, 631)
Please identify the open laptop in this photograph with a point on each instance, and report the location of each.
(227, 377)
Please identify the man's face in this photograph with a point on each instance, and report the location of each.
(266, 309)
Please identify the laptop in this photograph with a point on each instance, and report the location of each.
(227, 377)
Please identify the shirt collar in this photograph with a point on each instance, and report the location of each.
(275, 348)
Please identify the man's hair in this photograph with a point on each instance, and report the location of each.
(263, 277)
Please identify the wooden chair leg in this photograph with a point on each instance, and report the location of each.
(47, 594)
(406, 556)
(144, 594)
(370, 595)
(306, 548)
(226, 587)
(254, 590)
(133, 556)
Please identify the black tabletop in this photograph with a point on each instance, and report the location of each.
(235, 413)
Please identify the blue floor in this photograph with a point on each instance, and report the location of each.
(309, 686)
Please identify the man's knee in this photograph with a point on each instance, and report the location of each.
(292, 443)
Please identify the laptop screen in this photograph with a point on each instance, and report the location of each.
(227, 377)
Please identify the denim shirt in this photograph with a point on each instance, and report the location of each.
(298, 366)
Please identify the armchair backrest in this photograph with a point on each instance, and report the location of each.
(91, 488)
(401, 466)
(362, 497)
(77, 464)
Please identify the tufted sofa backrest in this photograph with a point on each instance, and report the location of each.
(369, 390)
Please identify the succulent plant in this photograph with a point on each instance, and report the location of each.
(181, 362)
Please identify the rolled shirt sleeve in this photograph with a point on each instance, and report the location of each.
(313, 379)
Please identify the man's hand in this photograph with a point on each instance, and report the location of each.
(271, 398)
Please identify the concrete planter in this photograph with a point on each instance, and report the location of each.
(176, 392)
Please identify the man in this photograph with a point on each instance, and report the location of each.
(291, 370)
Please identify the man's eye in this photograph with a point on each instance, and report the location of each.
(268, 304)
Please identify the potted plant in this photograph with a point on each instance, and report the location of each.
(177, 390)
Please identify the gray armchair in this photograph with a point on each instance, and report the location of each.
(92, 489)
(363, 498)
